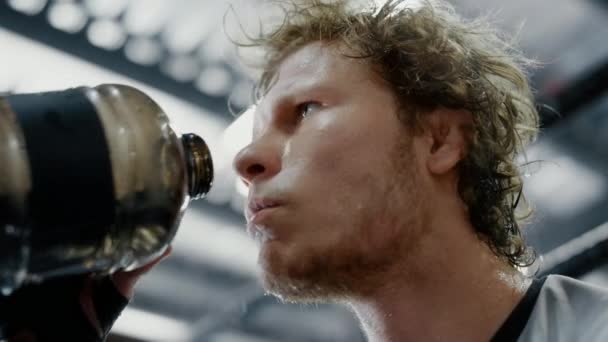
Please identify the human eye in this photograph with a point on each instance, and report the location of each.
(304, 109)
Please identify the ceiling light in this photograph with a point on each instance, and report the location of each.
(215, 80)
(190, 26)
(67, 16)
(143, 50)
(241, 94)
(29, 7)
(182, 68)
(147, 17)
(106, 8)
(106, 34)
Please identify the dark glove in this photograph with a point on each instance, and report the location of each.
(52, 310)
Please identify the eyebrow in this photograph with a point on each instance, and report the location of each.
(309, 91)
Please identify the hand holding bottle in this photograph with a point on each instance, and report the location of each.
(77, 308)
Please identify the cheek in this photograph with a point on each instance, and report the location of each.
(335, 145)
(337, 162)
(343, 183)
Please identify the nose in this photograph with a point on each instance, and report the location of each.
(257, 161)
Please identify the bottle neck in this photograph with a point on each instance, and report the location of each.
(199, 165)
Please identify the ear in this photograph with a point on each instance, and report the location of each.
(448, 133)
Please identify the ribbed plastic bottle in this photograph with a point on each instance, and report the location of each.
(91, 180)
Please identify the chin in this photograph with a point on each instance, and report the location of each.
(303, 275)
(300, 290)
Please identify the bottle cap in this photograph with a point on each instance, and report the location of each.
(199, 165)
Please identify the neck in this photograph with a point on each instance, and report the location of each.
(458, 292)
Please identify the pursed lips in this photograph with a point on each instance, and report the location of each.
(258, 205)
(257, 210)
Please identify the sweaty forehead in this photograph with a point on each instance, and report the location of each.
(308, 61)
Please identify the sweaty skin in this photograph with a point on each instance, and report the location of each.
(322, 164)
(350, 205)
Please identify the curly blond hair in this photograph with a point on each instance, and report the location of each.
(431, 57)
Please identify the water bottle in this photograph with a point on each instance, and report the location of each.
(92, 180)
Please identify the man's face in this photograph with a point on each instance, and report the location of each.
(331, 176)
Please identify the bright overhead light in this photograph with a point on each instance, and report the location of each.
(67, 16)
(214, 80)
(241, 94)
(191, 25)
(106, 34)
(106, 8)
(183, 68)
(29, 7)
(157, 14)
(148, 326)
(216, 47)
(143, 50)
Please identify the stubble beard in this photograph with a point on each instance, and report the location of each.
(362, 262)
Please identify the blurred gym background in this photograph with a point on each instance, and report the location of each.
(178, 52)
